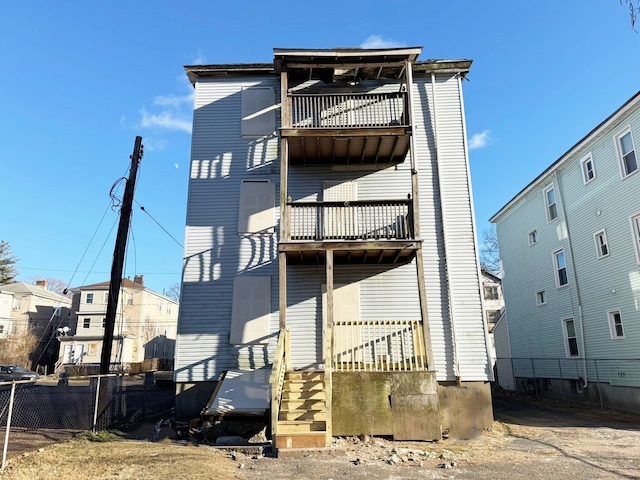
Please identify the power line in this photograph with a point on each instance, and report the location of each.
(158, 223)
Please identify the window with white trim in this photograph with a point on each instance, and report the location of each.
(615, 324)
(626, 152)
(105, 298)
(588, 170)
(257, 206)
(570, 337)
(541, 297)
(492, 316)
(86, 323)
(129, 299)
(89, 298)
(602, 246)
(533, 237)
(550, 202)
(491, 292)
(560, 265)
(635, 231)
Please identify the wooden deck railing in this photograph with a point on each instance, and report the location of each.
(356, 220)
(276, 380)
(379, 345)
(353, 110)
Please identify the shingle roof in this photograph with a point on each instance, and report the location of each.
(28, 289)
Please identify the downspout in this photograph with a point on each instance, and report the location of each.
(456, 361)
(585, 381)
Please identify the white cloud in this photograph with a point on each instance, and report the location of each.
(199, 59)
(174, 101)
(166, 119)
(154, 144)
(176, 165)
(377, 41)
(480, 140)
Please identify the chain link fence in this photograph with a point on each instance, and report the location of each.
(55, 409)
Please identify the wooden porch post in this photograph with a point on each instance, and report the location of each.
(422, 290)
(327, 335)
(285, 117)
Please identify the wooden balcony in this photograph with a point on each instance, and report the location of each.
(363, 232)
(348, 129)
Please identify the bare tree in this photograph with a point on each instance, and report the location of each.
(173, 292)
(17, 349)
(489, 254)
(56, 285)
(8, 260)
(634, 8)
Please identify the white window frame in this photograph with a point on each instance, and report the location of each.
(86, 322)
(129, 299)
(541, 297)
(621, 160)
(602, 244)
(635, 232)
(105, 298)
(584, 165)
(558, 268)
(486, 288)
(611, 317)
(567, 338)
(551, 207)
(88, 298)
(533, 237)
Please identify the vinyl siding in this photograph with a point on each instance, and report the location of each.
(595, 284)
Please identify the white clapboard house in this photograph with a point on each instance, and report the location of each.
(330, 270)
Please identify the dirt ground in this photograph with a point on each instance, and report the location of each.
(530, 439)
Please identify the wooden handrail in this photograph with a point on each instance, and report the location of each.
(276, 379)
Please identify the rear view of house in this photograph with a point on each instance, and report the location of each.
(330, 256)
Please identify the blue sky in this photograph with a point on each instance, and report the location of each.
(81, 79)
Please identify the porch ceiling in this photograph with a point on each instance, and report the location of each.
(388, 252)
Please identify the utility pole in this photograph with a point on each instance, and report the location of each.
(118, 257)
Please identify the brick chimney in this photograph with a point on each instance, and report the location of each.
(139, 279)
(42, 283)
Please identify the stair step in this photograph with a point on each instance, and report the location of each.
(302, 404)
(293, 415)
(303, 395)
(301, 385)
(300, 426)
(312, 376)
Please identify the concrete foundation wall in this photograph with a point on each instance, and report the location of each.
(466, 409)
(191, 398)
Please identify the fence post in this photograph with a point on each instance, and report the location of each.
(535, 380)
(6, 435)
(95, 408)
(595, 364)
(564, 397)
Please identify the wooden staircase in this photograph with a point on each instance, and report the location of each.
(302, 419)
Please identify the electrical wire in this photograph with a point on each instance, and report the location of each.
(158, 223)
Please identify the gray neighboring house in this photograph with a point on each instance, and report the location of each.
(570, 250)
(330, 251)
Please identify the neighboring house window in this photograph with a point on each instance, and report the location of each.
(588, 172)
(104, 322)
(16, 304)
(550, 201)
(89, 298)
(257, 206)
(561, 268)
(1, 329)
(602, 246)
(571, 340)
(491, 292)
(493, 316)
(168, 308)
(105, 298)
(159, 305)
(541, 297)
(251, 310)
(635, 227)
(258, 112)
(615, 324)
(165, 351)
(86, 323)
(92, 349)
(129, 299)
(155, 350)
(533, 237)
(626, 153)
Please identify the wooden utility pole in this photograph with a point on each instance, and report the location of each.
(118, 257)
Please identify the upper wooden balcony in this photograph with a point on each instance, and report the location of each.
(348, 128)
(358, 232)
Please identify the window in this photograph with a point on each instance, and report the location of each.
(89, 298)
(159, 305)
(571, 344)
(602, 247)
(92, 349)
(615, 324)
(626, 153)
(105, 298)
(129, 299)
(493, 316)
(588, 172)
(251, 310)
(533, 237)
(491, 292)
(541, 297)
(258, 112)
(16, 304)
(635, 228)
(86, 323)
(1, 329)
(104, 322)
(155, 350)
(550, 201)
(257, 206)
(165, 351)
(561, 268)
